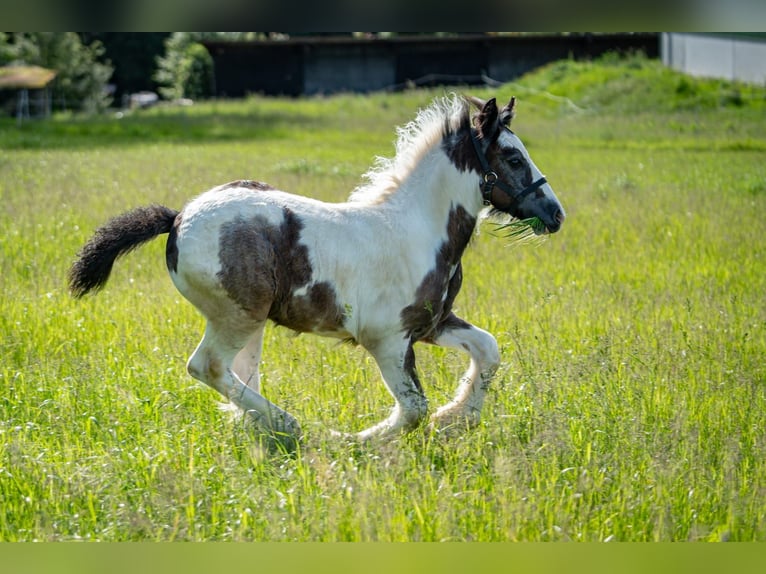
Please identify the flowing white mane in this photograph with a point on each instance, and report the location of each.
(413, 140)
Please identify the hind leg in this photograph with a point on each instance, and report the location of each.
(246, 367)
(223, 349)
(248, 361)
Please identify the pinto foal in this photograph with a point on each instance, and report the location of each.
(381, 269)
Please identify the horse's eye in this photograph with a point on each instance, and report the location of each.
(515, 162)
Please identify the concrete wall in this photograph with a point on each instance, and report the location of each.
(731, 57)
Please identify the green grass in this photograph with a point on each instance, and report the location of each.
(631, 404)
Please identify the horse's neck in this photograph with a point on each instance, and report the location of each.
(434, 189)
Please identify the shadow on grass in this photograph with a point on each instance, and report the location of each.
(172, 125)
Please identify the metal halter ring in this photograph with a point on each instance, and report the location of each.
(490, 178)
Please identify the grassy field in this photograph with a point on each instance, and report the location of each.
(631, 404)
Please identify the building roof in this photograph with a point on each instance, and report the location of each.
(25, 77)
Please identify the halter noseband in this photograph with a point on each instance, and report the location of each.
(490, 179)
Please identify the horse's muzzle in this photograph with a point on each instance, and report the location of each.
(555, 224)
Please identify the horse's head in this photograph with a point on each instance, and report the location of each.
(510, 181)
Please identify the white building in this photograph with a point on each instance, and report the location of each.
(731, 56)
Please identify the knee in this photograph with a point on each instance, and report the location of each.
(488, 353)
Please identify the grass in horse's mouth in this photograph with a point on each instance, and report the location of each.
(521, 229)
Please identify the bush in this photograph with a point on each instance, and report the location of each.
(186, 69)
(199, 82)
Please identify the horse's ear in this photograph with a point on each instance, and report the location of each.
(486, 121)
(508, 112)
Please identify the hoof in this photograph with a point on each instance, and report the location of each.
(340, 435)
(282, 431)
(280, 442)
(453, 420)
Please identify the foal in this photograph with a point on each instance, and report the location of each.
(381, 269)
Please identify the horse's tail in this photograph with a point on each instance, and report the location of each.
(117, 237)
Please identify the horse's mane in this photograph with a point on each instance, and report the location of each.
(441, 118)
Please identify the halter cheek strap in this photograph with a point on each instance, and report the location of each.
(490, 180)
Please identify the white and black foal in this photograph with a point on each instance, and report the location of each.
(381, 270)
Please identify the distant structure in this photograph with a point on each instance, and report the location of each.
(319, 65)
(730, 56)
(26, 78)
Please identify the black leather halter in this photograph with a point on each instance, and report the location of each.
(490, 179)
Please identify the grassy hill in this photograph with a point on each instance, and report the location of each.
(636, 84)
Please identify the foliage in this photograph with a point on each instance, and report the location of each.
(631, 404)
(186, 69)
(81, 75)
(6, 49)
(635, 83)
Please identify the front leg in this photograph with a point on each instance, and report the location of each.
(396, 360)
(465, 408)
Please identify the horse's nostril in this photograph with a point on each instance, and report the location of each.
(559, 217)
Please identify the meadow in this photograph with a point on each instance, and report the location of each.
(630, 405)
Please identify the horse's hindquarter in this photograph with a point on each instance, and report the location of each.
(220, 255)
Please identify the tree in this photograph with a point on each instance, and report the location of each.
(81, 77)
(6, 50)
(186, 69)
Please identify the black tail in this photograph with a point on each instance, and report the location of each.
(117, 237)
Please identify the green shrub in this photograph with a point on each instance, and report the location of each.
(186, 69)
